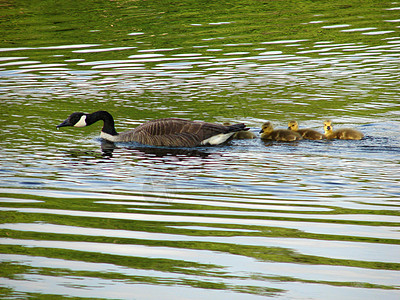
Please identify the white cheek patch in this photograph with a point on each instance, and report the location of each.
(81, 122)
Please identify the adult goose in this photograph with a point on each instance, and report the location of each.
(284, 135)
(170, 132)
(306, 133)
(342, 133)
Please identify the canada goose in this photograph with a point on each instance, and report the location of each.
(170, 132)
(268, 133)
(308, 134)
(343, 133)
(243, 134)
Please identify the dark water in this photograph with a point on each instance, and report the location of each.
(250, 219)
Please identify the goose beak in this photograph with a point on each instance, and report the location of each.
(288, 128)
(64, 124)
(261, 131)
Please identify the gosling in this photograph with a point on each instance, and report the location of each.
(308, 134)
(242, 135)
(268, 133)
(343, 133)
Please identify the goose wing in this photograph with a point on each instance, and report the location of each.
(175, 132)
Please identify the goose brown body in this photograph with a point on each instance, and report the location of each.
(284, 135)
(342, 133)
(174, 132)
(170, 132)
(308, 134)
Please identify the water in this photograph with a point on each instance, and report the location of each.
(250, 219)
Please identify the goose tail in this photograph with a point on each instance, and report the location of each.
(237, 127)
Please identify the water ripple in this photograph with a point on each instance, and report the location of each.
(250, 219)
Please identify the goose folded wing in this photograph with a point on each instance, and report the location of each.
(174, 132)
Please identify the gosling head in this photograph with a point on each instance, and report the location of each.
(328, 126)
(76, 119)
(266, 128)
(293, 125)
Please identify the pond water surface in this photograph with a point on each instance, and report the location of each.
(246, 220)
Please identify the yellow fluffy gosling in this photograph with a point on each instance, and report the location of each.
(243, 134)
(343, 133)
(268, 133)
(308, 134)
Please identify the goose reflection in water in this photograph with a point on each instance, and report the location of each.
(108, 147)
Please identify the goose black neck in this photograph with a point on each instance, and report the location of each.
(106, 117)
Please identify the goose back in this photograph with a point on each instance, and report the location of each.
(175, 132)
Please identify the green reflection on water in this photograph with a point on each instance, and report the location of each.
(257, 252)
(168, 24)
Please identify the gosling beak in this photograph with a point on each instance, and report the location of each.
(288, 128)
(64, 124)
(328, 127)
(261, 131)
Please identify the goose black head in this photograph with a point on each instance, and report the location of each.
(77, 119)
